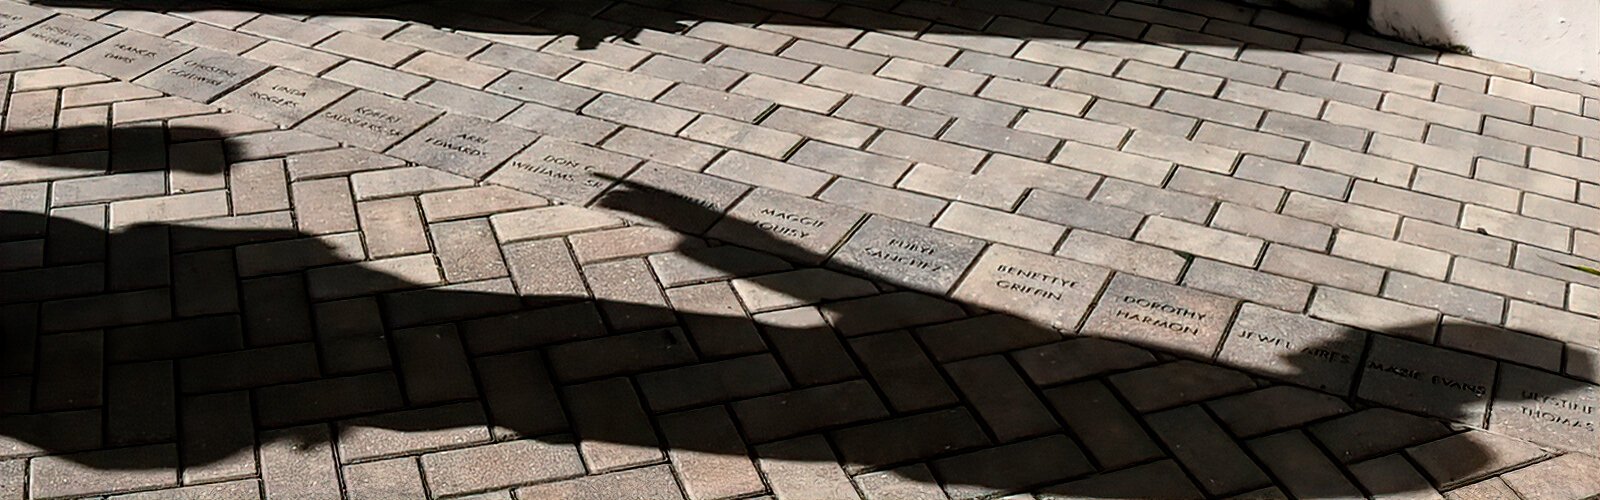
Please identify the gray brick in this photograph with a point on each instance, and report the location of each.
(664, 149)
(1113, 163)
(462, 100)
(1211, 109)
(1534, 136)
(1043, 51)
(1106, 87)
(1524, 179)
(1484, 104)
(1170, 78)
(819, 127)
(804, 50)
(1533, 94)
(741, 136)
(1003, 67)
(1141, 118)
(1331, 90)
(789, 94)
(1001, 227)
(1232, 70)
(1566, 122)
(1080, 213)
(878, 43)
(1017, 171)
(892, 116)
(1200, 240)
(1450, 299)
(1269, 98)
(1076, 129)
(850, 163)
(1272, 227)
(1563, 165)
(1154, 201)
(693, 73)
(1456, 241)
(953, 185)
(1000, 139)
(1391, 254)
(1182, 151)
(1248, 284)
(1405, 202)
(1374, 314)
(543, 91)
(606, 79)
(1034, 97)
(376, 78)
(938, 77)
(1226, 188)
(1562, 212)
(1487, 147)
(637, 113)
(1515, 227)
(1427, 155)
(562, 123)
(962, 106)
(1322, 269)
(881, 200)
(773, 174)
(862, 84)
(922, 150)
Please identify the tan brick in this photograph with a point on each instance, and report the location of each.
(1200, 240)
(1123, 255)
(1374, 314)
(998, 226)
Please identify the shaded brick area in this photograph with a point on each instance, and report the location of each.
(300, 291)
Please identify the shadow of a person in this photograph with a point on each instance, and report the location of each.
(109, 319)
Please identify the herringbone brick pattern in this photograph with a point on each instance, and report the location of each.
(375, 275)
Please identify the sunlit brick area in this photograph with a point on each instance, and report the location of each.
(796, 249)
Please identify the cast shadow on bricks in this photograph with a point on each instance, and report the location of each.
(594, 22)
(102, 344)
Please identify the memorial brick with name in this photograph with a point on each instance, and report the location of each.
(15, 17)
(202, 74)
(284, 97)
(681, 199)
(1547, 409)
(1157, 315)
(58, 37)
(908, 255)
(801, 229)
(369, 120)
(464, 146)
(1045, 289)
(561, 170)
(1293, 347)
(128, 55)
(1427, 379)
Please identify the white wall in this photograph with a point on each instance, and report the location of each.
(1560, 37)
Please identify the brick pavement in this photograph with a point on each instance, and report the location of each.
(1227, 252)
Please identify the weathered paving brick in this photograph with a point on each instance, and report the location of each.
(1157, 314)
(1426, 379)
(907, 255)
(1374, 314)
(1200, 240)
(464, 146)
(1272, 227)
(1440, 459)
(283, 97)
(1341, 215)
(1200, 444)
(1113, 163)
(499, 466)
(369, 120)
(1011, 467)
(1104, 86)
(999, 226)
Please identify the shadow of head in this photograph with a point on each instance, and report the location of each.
(593, 22)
